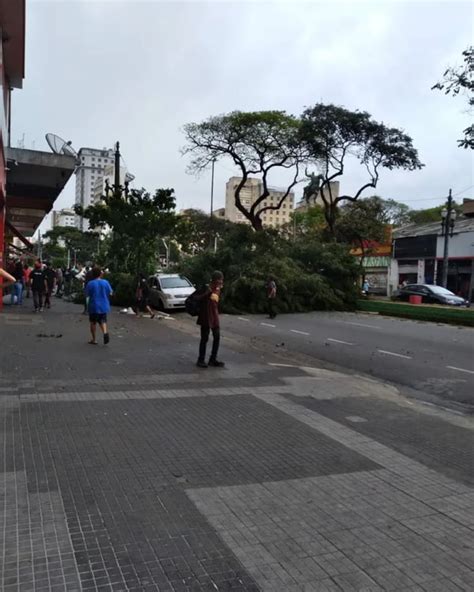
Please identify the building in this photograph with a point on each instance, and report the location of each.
(249, 194)
(64, 217)
(376, 262)
(92, 163)
(219, 213)
(418, 254)
(330, 193)
(30, 180)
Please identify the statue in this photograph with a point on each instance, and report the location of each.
(311, 190)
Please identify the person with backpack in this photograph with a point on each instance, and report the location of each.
(207, 301)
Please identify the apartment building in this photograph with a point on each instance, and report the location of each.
(64, 217)
(249, 194)
(91, 168)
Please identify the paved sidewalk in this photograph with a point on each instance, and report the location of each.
(124, 468)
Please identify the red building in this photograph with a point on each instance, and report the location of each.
(30, 180)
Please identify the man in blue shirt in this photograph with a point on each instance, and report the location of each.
(98, 291)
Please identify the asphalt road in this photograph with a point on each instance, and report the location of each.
(436, 360)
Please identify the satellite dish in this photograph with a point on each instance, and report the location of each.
(60, 146)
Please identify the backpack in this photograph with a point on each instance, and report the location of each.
(192, 305)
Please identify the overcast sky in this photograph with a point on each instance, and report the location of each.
(137, 71)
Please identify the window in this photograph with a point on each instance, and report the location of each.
(174, 282)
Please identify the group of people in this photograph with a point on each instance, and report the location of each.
(42, 279)
(39, 281)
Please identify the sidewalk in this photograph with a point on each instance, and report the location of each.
(126, 469)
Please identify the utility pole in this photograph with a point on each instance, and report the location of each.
(117, 169)
(447, 225)
(212, 241)
(212, 187)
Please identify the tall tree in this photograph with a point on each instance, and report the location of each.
(84, 244)
(258, 143)
(137, 220)
(363, 223)
(431, 214)
(195, 230)
(395, 212)
(333, 134)
(457, 81)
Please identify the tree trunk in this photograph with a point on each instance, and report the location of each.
(256, 223)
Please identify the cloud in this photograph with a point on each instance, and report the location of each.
(136, 71)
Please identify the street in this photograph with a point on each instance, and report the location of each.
(435, 360)
(128, 469)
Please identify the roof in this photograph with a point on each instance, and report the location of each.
(461, 225)
(12, 23)
(34, 181)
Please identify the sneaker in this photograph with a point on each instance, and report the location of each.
(216, 364)
(106, 338)
(200, 364)
(41, 310)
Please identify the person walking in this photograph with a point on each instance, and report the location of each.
(143, 296)
(26, 279)
(50, 279)
(208, 319)
(87, 277)
(98, 292)
(17, 292)
(271, 296)
(59, 282)
(38, 285)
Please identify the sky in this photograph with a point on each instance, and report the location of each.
(98, 71)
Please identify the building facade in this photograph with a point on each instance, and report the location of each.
(92, 163)
(249, 194)
(418, 255)
(64, 217)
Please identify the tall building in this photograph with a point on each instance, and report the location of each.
(64, 217)
(249, 194)
(91, 167)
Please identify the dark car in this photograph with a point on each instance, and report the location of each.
(429, 294)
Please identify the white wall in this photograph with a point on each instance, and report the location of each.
(460, 245)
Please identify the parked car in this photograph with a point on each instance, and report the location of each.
(169, 291)
(430, 294)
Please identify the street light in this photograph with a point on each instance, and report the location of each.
(448, 220)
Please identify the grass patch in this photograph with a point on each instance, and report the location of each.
(420, 312)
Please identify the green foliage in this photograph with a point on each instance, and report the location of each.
(431, 214)
(461, 80)
(137, 220)
(332, 134)
(124, 288)
(361, 221)
(195, 230)
(256, 142)
(85, 244)
(310, 275)
(420, 312)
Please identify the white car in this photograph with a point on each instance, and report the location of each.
(169, 291)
